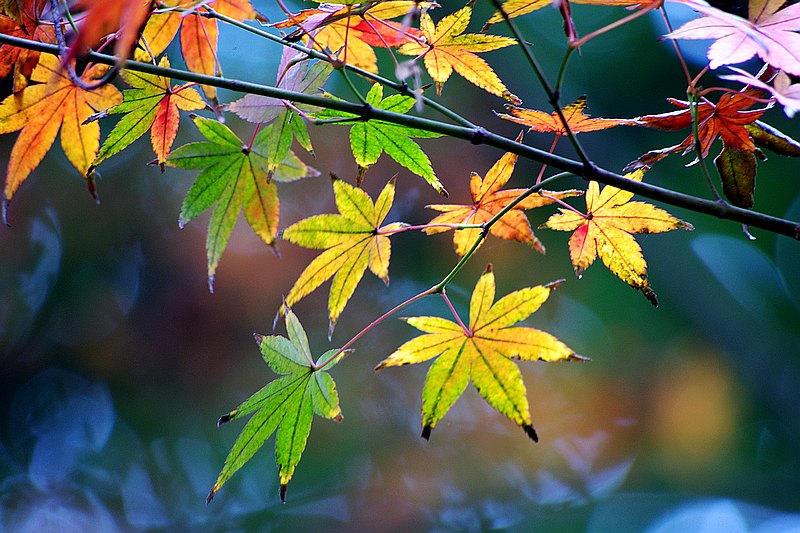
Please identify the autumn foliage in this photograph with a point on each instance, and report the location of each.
(67, 89)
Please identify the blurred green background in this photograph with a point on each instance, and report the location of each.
(116, 361)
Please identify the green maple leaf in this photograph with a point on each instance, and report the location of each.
(287, 404)
(235, 178)
(482, 352)
(371, 138)
(353, 241)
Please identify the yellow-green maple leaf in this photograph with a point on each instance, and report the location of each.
(605, 230)
(483, 352)
(352, 240)
(448, 49)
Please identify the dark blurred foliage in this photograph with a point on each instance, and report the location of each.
(116, 361)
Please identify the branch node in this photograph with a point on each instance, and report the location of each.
(479, 136)
(366, 114)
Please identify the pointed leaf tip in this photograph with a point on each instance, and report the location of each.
(4, 209)
(426, 432)
(555, 284)
(210, 496)
(258, 337)
(211, 284)
(651, 296)
(579, 358)
(530, 432)
(283, 488)
(92, 186)
(225, 418)
(489, 268)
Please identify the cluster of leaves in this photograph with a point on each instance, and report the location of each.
(238, 174)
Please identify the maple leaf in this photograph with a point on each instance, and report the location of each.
(41, 109)
(353, 241)
(150, 104)
(101, 18)
(25, 23)
(370, 138)
(770, 33)
(293, 75)
(235, 177)
(483, 352)
(487, 201)
(198, 34)
(727, 120)
(577, 120)
(448, 49)
(350, 32)
(286, 405)
(606, 230)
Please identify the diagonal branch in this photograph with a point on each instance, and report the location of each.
(476, 135)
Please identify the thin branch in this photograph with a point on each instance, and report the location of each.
(552, 94)
(453, 311)
(371, 325)
(401, 88)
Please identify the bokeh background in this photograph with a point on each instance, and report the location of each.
(115, 361)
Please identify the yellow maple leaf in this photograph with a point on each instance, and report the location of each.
(483, 352)
(605, 230)
(353, 241)
(54, 102)
(487, 201)
(448, 49)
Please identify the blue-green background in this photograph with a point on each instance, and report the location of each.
(115, 361)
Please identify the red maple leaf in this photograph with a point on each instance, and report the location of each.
(726, 120)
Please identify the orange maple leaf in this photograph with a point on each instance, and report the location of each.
(123, 17)
(41, 109)
(605, 230)
(577, 120)
(487, 201)
(726, 119)
(29, 26)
